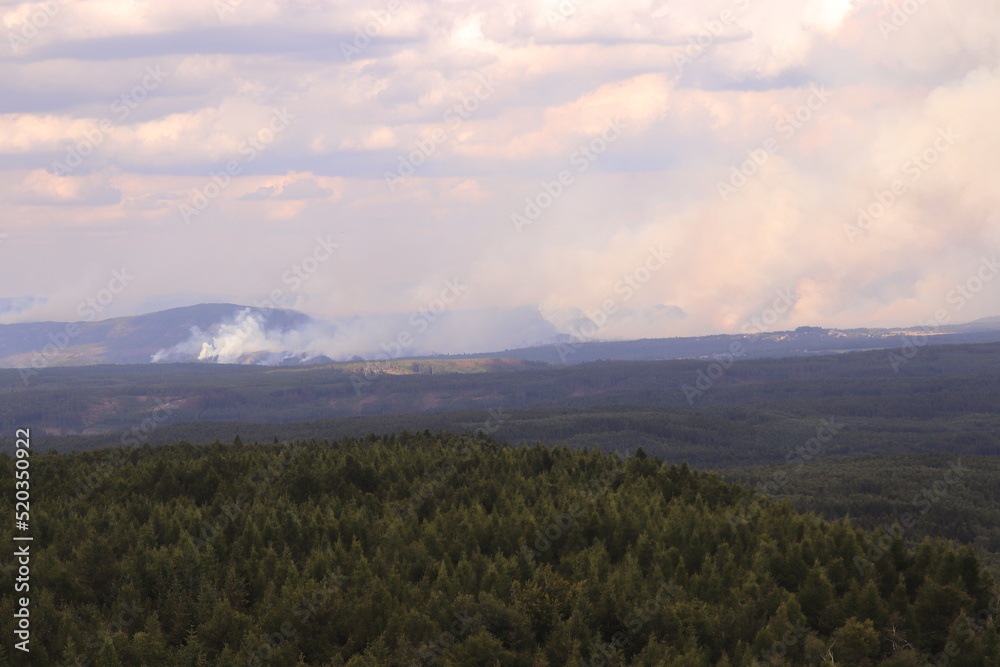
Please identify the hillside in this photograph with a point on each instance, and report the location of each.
(420, 549)
(121, 340)
(955, 497)
(846, 435)
(232, 334)
(946, 399)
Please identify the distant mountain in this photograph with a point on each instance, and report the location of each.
(804, 341)
(230, 333)
(18, 304)
(983, 323)
(123, 340)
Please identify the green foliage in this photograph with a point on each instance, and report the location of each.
(882, 491)
(946, 399)
(421, 548)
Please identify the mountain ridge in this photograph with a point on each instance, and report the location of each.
(232, 333)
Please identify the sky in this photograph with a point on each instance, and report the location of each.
(663, 168)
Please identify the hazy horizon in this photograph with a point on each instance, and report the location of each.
(659, 169)
(248, 306)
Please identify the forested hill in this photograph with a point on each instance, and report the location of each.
(945, 381)
(416, 549)
(945, 399)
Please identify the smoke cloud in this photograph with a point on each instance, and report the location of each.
(840, 151)
(251, 336)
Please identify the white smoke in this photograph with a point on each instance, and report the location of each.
(250, 338)
(246, 339)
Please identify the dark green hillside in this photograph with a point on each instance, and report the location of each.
(454, 550)
(945, 399)
(952, 497)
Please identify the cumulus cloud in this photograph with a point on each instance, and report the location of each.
(261, 193)
(304, 188)
(41, 188)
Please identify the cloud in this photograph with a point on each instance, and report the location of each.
(234, 40)
(40, 188)
(261, 193)
(152, 201)
(246, 338)
(303, 188)
(727, 159)
(251, 338)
